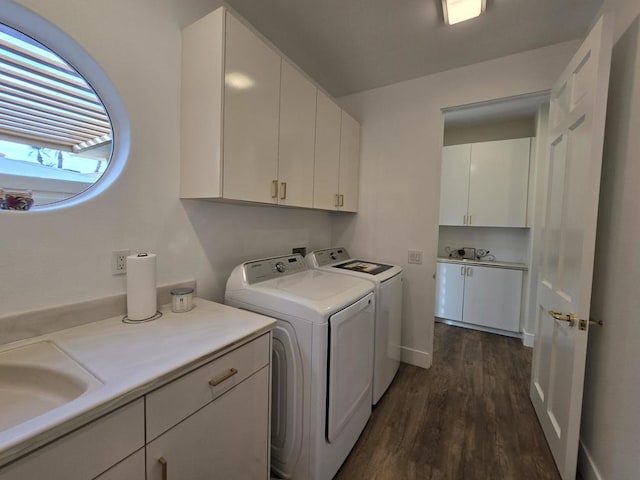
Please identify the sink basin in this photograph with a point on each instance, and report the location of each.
(37, 378)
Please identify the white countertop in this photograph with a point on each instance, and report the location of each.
(485, 263)
(131, 360)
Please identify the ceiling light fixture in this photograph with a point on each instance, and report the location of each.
(456, 11)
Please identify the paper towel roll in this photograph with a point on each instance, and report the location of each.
(141, 286)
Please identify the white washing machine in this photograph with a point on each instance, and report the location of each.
(388, 289)
(322, 360)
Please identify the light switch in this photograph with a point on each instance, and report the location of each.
(415, 256)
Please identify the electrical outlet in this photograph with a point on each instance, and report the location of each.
(119, 262)
(415, 256)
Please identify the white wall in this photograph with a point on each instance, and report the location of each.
(507, 244)
(489, 131)
(402, 135)
(610, 429)
(65, 256)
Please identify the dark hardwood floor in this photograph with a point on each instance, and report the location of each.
(467, 417)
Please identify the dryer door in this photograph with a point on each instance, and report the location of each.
(350, 363)
(286, 400)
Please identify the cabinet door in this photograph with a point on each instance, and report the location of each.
(326, 170)
(449, 291)
(492, 297)
(349, 163)
(297, 138)
(454, 184)
(227, 439)
(131, 468)
(251, 112)
(499, 182)
(86, 452)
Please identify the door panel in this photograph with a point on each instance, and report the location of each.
(454, 184)
(577, 116)
(326, 169)
(251, 106)
(297, 138)
(350, 363)
(349, 163)
(449, 291)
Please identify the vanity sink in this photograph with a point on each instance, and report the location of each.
(37, 378)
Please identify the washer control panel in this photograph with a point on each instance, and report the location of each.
(268, 268)
(330, 255)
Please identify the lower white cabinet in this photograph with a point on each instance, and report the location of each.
(485, 296)
(212, 422)
(227, 439)
(86, 452)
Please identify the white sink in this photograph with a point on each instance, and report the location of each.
(37, 378)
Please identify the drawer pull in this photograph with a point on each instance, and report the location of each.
(163, 463)
(214, 382)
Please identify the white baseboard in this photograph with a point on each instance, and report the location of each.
(528, 338)
(586, 465)
(415, 357)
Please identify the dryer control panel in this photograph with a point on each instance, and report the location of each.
(268, 268)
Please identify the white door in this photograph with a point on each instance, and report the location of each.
(576, 130)
(454, 184)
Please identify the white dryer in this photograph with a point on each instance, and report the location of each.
(322, 360)
(388, 289)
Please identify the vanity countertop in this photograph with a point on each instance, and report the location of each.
(484, 263)
(131, 360)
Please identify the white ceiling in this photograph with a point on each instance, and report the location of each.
(353, 45)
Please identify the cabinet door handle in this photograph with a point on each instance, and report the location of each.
(470, 219)
(342, 200)
(274, 189)
(464, 219)
(337, 200)
(214, 382)
(462, 271)
(469, 271)
(163, 464)
(283, 190)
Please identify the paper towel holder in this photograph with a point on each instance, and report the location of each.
(157, 315)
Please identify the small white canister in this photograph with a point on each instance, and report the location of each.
(181, 300)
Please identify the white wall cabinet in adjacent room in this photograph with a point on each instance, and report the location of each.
(297, 138)
(490, 178)
(485, 296)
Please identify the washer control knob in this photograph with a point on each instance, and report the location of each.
(280, 267)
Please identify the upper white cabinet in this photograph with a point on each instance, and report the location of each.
(297, 138)
(327, 163)
(485, 184)
(349, 164)
(454, 184)
(337, 162)
(251, 111)
(230, 112)
(255, 129)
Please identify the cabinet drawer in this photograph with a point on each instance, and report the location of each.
(86, 452)
(174, 402)
(131, 468)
